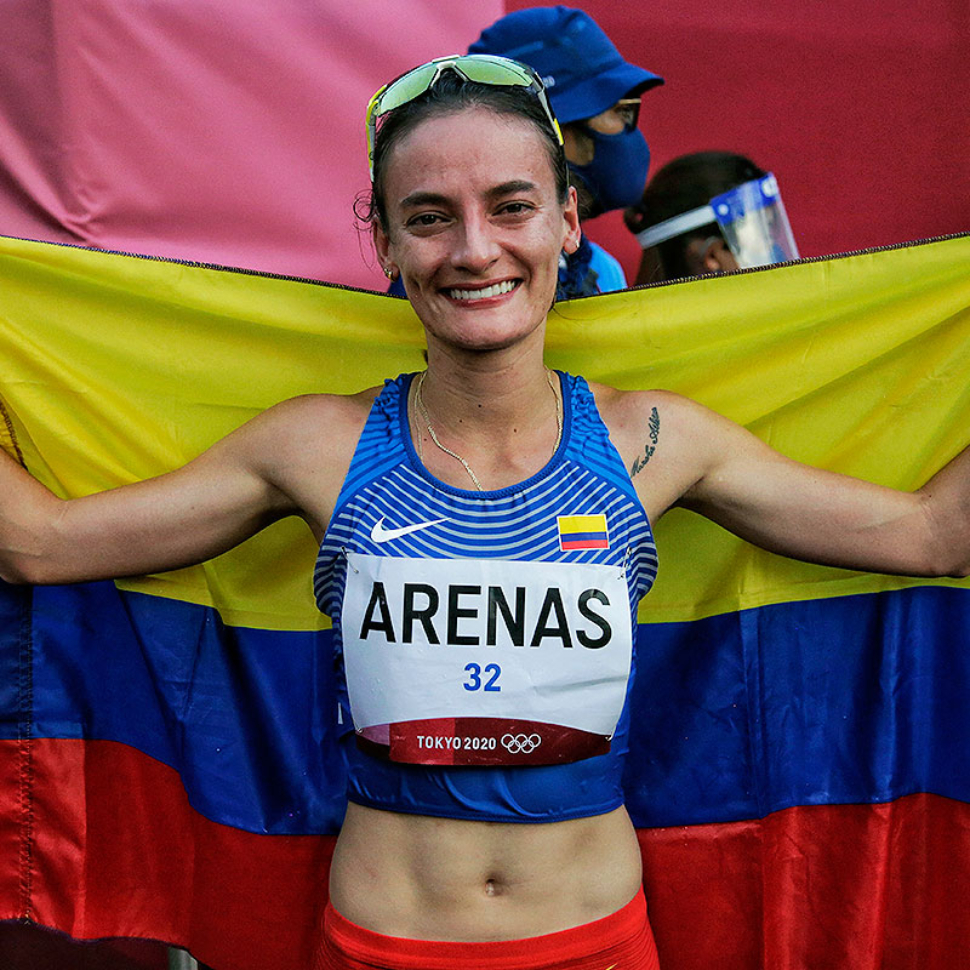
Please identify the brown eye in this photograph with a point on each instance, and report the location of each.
(628, 111)
(424, 220)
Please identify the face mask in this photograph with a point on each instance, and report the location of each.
(751, 218)
(616, 176)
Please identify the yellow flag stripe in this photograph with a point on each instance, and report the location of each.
(582, 523)
(115, 368)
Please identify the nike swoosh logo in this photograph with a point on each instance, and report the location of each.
(380, 534)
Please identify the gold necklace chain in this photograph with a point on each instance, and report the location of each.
(419, 403)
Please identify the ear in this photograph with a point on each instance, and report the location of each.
(634, 218)
(717, 257)
(710, 255)
(382, 244)
(572, 233)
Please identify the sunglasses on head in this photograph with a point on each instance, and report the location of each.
(478, 68)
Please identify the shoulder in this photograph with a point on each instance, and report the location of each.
(665, 440)
(629, 412)
(304, 446)
(330, 419)
(340, 409)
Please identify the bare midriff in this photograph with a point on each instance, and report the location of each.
(442, 879)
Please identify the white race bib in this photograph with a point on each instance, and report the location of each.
(484, 661)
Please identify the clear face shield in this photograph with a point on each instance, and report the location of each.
(751, 218)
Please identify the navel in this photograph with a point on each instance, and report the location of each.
(494, 887)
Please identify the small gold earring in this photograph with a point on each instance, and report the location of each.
(389, 272)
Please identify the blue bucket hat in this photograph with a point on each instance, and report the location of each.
(580, 66)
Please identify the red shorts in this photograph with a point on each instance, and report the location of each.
(622, 941)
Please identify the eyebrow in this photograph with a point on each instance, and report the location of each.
(416, 199)
(511, 187)
(424, 198)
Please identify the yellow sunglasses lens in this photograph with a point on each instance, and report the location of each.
(412, 85)
(478, 68)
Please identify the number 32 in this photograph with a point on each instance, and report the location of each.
(474, 681)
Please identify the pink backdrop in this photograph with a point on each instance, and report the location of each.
(229, 131)
(226, 131)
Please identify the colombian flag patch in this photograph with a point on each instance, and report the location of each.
(578, 532)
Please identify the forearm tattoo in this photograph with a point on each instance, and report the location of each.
(650, 446)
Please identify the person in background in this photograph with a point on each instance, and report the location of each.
(595, 94)
(708, 213)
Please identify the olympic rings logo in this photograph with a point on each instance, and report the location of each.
(521, 743)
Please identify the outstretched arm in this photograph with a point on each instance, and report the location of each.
(820, 516)
(706, 463)
(261, 472)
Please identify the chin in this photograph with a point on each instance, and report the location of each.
(479, 336)
(483, 344)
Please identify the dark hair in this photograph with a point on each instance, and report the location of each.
(452, 93)
(687, 183)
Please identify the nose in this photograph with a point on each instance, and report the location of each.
(477, 247)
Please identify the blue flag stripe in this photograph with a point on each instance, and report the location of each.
(848, 700)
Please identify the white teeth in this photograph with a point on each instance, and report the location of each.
(495, 290)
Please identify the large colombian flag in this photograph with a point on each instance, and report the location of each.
(800, 769)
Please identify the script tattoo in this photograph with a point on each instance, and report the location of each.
(651, 446)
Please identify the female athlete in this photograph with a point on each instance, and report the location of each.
(485, 531)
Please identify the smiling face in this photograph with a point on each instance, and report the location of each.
(475, 228)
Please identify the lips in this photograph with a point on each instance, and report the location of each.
(482, 293)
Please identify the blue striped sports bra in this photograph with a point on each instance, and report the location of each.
(486, 639)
